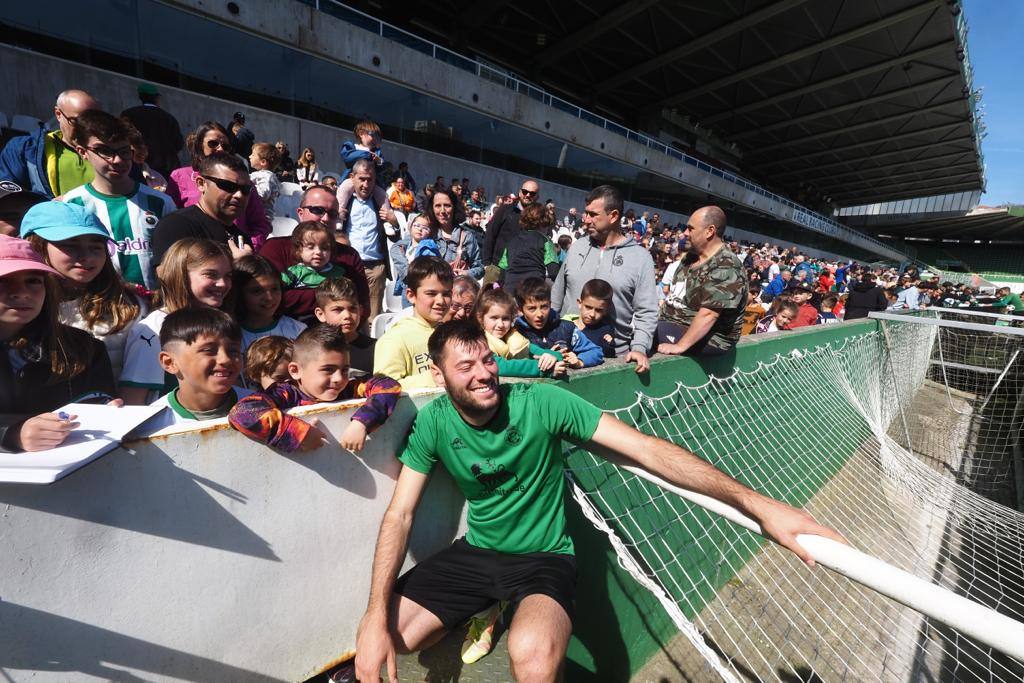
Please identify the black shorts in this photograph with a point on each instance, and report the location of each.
(462, 580)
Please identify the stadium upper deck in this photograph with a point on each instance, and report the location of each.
(832, 103)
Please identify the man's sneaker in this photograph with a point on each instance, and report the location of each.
(346, 673)
(481, 632)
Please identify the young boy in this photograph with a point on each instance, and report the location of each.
(366, 146)
(129, 210)
(264, 159)
(337, 304)
(318, 373)
(202, 348)
(266, 361)
(402, 352)
(754, 310)
(594, 322)
(828, 304)
(542, 326)
(801, 293)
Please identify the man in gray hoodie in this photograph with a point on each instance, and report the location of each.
(607, 254)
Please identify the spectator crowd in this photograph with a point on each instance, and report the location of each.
(128, 277)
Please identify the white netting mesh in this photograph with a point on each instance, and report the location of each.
(824, 429)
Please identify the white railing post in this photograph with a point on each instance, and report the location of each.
(970, 618)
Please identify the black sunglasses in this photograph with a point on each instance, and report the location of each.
(229, 186)
(216, 144)
(320, 211)
(527, 193)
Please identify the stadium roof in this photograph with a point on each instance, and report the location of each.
(999, 225)
(856, 101)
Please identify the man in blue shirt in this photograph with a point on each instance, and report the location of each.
(909, 298)
(776, 286)
(364, 226)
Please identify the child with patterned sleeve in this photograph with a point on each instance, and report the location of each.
(319, 373)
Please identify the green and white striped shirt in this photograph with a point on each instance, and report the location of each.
(130, 219)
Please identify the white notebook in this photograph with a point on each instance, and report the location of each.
(100, 429)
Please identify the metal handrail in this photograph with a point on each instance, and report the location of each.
(801, 215)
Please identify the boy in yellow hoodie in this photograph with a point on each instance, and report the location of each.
(401, 353)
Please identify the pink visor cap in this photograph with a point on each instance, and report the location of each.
(17, 255)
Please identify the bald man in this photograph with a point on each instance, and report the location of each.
(46, 162)
(703, 313)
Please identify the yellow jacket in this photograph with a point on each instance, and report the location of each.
(401, 353)
(514, 345)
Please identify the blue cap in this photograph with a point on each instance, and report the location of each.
(56, 221)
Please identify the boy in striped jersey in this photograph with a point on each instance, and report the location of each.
(128, 209)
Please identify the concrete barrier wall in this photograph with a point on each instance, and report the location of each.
(203, 556)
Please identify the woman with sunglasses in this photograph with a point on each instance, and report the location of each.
(210, 138)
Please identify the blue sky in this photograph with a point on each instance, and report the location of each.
(996, 45)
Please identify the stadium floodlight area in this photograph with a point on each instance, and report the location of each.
(903, 439)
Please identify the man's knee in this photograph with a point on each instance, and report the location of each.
(535, 655)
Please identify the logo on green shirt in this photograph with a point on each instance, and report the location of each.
(494, 477)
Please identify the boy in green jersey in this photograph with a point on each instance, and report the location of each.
(503, 446)
(128, 209)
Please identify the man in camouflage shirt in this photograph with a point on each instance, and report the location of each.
(703, 313)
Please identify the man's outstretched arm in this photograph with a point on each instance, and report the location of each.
(622, 444)
(374, 646)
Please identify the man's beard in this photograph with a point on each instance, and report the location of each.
(468, 405)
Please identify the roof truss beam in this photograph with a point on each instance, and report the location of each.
(965, 167)
(859, 174)
(830, 82)
(696, 45)
(908, 185)
(931, 191)
(941, 82)
(868, 143)
(882, 155)
(910, 113)
(594, 29)
(796, 55)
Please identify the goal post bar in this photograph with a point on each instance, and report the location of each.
(940, 322)
(984, 624)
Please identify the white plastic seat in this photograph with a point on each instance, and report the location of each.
(283, 226)
(26, 123)
(393, 303)
(381, 323)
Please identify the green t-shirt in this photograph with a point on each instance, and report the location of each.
(511, 469)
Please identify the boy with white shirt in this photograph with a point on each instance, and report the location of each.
(202, 348)
(128, 209)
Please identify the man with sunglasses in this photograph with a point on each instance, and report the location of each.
(504, 226)
(224, 191)
(318, 204)
(46, 162)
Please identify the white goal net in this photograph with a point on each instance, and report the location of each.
(904, 440)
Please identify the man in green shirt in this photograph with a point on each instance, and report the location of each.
(1008, 300)
(503, 446)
